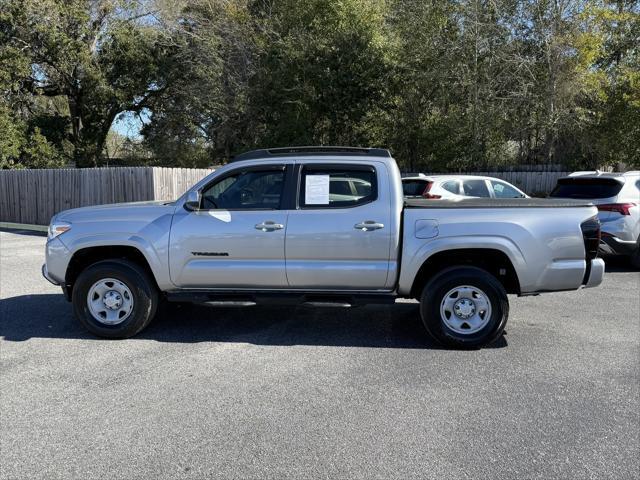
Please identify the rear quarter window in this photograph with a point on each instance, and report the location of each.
(413, 188)
(586, 188)
(451, 186)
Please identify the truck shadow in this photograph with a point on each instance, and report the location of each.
(394, 326)
(619, 265)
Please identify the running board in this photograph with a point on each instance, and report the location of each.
(327, 304)
(229, 303)
(310, 299)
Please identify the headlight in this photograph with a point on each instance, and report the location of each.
(56, 228)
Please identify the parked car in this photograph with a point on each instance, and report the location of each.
(223, 243)
(458, 187)
(617, 197)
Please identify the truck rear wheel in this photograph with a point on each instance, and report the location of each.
(114, 299)
(464, 307)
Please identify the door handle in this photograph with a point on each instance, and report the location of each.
(368, 225)
(269, 226)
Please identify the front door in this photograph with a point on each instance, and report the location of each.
(339, 236)
(236, 238)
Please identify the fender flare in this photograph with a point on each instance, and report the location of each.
(444, 244)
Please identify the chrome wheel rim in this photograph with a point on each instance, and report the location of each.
(110, 301)
(465, 309)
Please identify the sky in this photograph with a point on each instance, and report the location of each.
(129, 124)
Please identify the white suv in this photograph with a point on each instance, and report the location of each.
(617, 196)
(458, 187)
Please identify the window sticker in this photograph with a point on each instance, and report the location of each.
(316, 190)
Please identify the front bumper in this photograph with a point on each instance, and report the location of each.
(595, 274)
(48, 277)
(65, 288)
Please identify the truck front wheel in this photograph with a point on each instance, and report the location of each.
(114, 299)
(464, 307)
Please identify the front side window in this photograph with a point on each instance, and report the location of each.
(246, 190)
(504, 190)
(475, 188)
(333, 187)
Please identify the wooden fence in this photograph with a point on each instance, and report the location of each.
(34, 196)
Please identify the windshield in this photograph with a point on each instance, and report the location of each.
(586, 188)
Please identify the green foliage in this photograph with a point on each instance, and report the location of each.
(39, 153)
(446, 85)
(21, 148)
(322, 73)
(11, 139)
(98, 57)
(611, 88)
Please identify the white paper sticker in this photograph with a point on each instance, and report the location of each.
(316, 191)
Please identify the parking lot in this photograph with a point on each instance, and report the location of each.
(325, 393)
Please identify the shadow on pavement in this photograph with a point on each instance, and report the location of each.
(393, 326)
(619, 265)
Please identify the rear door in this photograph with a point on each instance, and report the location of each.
(236, 238)
(339, 235)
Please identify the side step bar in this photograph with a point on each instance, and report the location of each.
(229, 303)
(311, 299)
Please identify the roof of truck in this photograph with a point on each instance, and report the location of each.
(268, 153)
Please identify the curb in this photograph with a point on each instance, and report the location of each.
(24, 228)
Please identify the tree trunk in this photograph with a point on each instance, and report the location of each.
(101, 138)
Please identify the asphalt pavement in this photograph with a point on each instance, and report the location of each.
(273, 393)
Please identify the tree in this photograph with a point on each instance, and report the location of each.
(102, 57)
(610, 97)
(322, 76)
(203, 115)
(447, 85)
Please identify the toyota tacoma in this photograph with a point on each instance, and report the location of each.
(320, 226)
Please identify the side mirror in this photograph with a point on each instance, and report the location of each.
(193, 201)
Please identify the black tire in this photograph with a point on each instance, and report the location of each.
(143, 290)
(441, 284)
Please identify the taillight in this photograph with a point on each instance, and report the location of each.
(591, 236)
(426, 193)
(621, 208)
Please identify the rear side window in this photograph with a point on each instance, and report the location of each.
(475, 188)
(414, 188)
(586, 188)
(337, 186)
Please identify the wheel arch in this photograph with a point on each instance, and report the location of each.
(492, 260)
(84, 257)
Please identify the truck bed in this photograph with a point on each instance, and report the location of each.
(495, 203)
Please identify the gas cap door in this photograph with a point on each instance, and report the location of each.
(426, 228)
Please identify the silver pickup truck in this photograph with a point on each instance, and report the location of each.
(320, 226)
